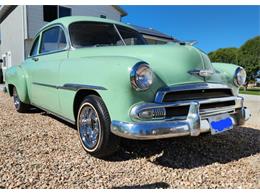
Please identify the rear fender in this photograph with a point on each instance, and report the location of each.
(16, 77)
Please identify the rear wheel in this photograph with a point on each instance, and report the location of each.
(18, 104)
(93, 124)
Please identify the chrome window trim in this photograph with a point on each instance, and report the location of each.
(115, 27)
(119, 34)
(68, 43)
(57, 50)
(69, 35)
(37, 51)
(187, 87)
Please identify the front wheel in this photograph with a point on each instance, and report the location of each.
(93, 124)
(18, 104)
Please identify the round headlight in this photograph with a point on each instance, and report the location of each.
(240, 76)
(141, 76)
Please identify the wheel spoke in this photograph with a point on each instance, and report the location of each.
(89, 126)
(16, 99)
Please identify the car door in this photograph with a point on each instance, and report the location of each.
(44, 69)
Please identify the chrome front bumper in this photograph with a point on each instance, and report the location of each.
(195, 123)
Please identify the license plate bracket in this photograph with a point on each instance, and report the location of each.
(220, 123)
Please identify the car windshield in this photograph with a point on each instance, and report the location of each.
(96, 34)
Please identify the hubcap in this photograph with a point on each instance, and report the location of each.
(89, 126)
(16, 100)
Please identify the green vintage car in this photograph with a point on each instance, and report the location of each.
(101, 76)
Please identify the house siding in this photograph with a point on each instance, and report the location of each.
(12, 35)
(20, 26)
(35, 15)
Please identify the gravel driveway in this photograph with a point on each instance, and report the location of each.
(38, 150)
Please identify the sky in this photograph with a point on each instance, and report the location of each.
(213, 27)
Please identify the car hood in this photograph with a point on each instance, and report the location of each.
(171, 63)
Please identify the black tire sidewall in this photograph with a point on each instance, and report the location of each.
(104, 118)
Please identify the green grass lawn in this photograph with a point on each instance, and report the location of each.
(250, 91)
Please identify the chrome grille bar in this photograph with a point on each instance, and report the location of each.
(187, 87)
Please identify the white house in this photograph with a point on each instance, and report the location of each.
(19, 24)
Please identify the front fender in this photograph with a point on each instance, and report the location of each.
(228, 70)
(16, 76)
(112, 73)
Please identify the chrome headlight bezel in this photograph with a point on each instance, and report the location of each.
(239, 77)
(135, 75)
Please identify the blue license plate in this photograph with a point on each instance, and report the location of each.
(220, 124)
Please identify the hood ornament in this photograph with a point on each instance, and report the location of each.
(202, 73)
(192, 42)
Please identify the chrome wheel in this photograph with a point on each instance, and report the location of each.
(89, 126)
(16, 99)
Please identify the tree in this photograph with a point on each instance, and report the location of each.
(247, 56)
(225, 55)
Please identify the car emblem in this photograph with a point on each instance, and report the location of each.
(202, 72)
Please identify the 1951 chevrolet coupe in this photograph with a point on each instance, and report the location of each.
(101, 76)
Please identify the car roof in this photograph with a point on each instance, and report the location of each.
(66, 21)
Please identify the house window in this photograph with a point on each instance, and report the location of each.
(103, 16)
(64, 11)
(52, 12)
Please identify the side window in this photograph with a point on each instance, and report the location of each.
(62, 42)
(53, 40)
(35, 47)
(130, 36)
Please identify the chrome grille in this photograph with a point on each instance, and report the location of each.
(196, 94)
(213, 99)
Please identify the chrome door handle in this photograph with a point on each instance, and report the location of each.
(35, 59)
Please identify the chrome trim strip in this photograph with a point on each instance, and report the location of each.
(186, 87)
(72, 87)
(212, 112)
(76, 87)
(45, 85)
